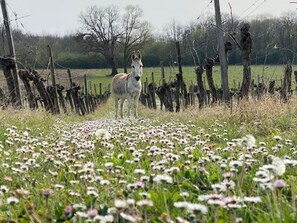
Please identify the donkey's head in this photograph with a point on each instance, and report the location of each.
(136, 65)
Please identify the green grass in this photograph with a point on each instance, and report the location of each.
(95, 76)
(259, 74)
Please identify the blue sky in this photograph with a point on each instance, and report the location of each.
(61, 17)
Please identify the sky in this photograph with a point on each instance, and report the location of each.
(61, 17)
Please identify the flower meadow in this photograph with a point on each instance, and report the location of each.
(145, 171)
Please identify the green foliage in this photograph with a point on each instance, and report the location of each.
(81, 61)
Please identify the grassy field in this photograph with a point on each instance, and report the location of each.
(209, 165)
(96, 76)
(267, 73)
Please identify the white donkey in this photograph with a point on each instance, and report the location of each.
(128, 86)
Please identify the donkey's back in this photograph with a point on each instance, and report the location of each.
(120, 85)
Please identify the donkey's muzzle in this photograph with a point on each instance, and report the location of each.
(137, 78)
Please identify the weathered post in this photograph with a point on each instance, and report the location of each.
(179, 78)
(55, 93)
(70, 77)
(90, 97)
(153, 78)
(17, 102)
(246, 48)
(147, 96)
(6, 64)
(44, 94)
(286, 83)
(85, 84)
(209, 63)
(162, 72)
(295, 75)
(95, 89)
(152, 89)
(69, 94)
(59, 90)
(143, 96)
(222, 53)
(86, 94)
(100, 89)
(271, 87)
(90, 88)
(201, 95)
(73, 92)
(69, 99)
(163, 82)
(258, 90)
(25, 77)
(165, 96)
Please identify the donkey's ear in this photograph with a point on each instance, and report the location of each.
(133, 55)
(138, 54)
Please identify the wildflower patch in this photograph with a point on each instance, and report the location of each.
(145, 171)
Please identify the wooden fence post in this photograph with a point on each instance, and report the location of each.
(24, 76)
(17, 101)
(85, 84)
(246, 48)
(100, 89)
(201, 95)
(153, 78)
(209, 63)
(70, 77)
(90, 88)
(162, 72)
(152, 89)
(74, 93)
(258, 90)
(86, 94)
(286, 84)
(222, 53)
(178, 78)
(9, 80)
(44, 94)
(55, 94)
(143, 95)
(69, 93)
(181, 87)
(95, 89)
(295, 76)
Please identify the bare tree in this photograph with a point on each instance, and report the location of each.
(101, 31)
(174, 31)
(135, 31)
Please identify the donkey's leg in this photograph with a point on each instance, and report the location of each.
(121, 107)
(135, 103)
(128, 105)
(116, 106)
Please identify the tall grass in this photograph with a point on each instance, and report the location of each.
(268, 115)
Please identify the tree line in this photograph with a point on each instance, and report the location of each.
(107, 37)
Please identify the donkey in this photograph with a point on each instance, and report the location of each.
(128, 86)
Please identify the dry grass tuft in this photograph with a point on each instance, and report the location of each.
(267, 116)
